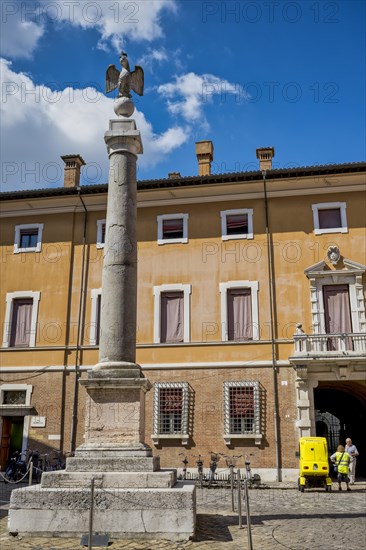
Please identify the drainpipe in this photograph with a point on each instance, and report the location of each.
(272, 335)
(74, 418)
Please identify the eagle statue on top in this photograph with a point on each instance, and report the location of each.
(124, 80)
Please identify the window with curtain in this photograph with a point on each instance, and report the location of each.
(239, 313)
(170, 410)
(173, 229)
(242, 407)
(172, 317)
(329, 218)
(337, 313)
(21, 322)
(237, 224)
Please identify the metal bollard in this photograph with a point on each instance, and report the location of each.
(90, 541)
(30, 473)
(239, 500)
(247, 511)
(232, 487)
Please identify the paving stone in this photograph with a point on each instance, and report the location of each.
(282, 518)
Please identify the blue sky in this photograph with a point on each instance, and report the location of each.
(244, 74)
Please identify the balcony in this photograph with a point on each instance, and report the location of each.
(325, 346)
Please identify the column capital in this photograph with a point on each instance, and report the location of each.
(123, 137)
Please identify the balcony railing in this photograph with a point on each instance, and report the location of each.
(351, 344)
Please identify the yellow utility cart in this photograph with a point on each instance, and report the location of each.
(314, 464)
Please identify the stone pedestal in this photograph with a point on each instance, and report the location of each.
(133, 497)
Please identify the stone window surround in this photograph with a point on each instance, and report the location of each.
(160, 220)
(10, 297)
(326, 206)
(17, 410)
(352, 276)
(100, 223)
(224, 287)
(19, 228)
(183, 436)
(186, 289)
(256, 434)
(95, 293)
(225, 213)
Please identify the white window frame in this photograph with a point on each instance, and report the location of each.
(19, 228)
(183, 435)
(256, 433)
(187, 289)
(95, 293)
(17, 410)
(160, 220)
(100, 224)
(254, 287)
(327, 206)
(10, 297)
(225, 213)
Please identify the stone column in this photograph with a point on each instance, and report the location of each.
(117, 349)
(116, 387)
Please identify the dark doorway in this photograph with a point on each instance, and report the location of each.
(11, 437)
(340, 412)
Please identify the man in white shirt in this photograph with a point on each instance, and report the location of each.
(353, 453)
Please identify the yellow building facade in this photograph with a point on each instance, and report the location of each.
(251, 311)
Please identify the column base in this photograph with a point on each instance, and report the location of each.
(116, 369)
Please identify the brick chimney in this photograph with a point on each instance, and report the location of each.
(174, 175)
(204, 153)
(73, 164)
(265, 156)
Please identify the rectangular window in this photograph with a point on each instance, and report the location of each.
(239, 313)
(172, 317)
(171, 410)
(14, 397)
(28, 238)
(329, 217)
(100, 233)
(21, 323)
(237, 224)
(172, 228)
(96, 304)
(337, 314)
(242, 410)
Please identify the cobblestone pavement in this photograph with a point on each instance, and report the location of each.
(282, 518)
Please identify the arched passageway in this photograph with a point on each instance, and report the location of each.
(340, 412)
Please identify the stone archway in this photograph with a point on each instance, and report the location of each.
(345, 402)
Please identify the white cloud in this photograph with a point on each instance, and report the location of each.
(188, 94)
(24, 23)
(39, 125)
(152, 57)
(19, 35)
(117, 20)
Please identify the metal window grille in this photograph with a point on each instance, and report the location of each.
(103, 233)
(14, 397)
(241, 407)
(28, 238)
(171, 408)
(173, 229)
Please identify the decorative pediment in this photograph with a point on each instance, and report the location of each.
(321, 269)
